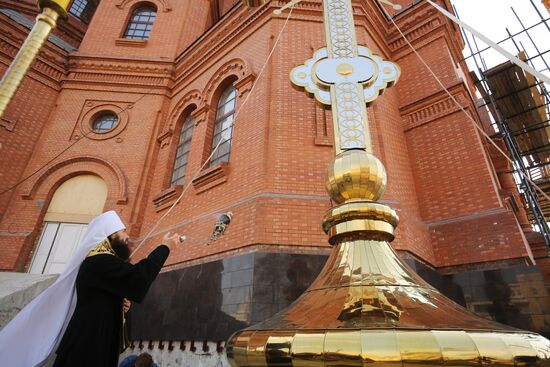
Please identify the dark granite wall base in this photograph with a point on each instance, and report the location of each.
(212, 300)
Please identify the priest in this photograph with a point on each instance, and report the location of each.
(81, 315)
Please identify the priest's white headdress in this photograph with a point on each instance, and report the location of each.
(34, 333)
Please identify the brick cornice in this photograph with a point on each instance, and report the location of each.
(79, 62)
(416, 26)
(119, 71)
(434, 107)
(421, 24)
(117, 79)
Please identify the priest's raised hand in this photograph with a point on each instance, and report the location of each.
(82, 312)
(104, 279)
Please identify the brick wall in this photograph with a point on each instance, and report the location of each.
(441, 179)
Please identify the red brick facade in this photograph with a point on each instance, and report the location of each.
(442, 179)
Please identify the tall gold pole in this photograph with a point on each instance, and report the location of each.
(45, 22)
(366, 307)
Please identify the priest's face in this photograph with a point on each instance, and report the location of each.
(119, 242)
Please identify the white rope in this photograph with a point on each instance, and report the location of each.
(157, 223)
(470, 118)
(503, 52)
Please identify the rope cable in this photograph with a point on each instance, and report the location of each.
(131, 104)
(470, 118)
(157, 223)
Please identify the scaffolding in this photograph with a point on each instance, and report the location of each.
(519, 106)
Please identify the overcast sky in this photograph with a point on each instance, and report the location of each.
(492, 17)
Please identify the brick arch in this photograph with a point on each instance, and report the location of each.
(239, 69)
(164, 4)
(194, 97)
(57, 173)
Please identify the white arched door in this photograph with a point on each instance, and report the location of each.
(73, 205)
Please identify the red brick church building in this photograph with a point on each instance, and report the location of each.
(128, 97)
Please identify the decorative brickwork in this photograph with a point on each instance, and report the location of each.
(455, 207)
(8, 124)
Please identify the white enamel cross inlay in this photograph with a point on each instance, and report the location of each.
(345, 76)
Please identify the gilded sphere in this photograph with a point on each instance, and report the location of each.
(355, 175)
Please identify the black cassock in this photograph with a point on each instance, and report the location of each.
(92, 338)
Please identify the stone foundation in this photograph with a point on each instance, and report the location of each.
(181, 354)
(17, 290)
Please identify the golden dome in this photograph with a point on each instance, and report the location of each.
(367, 307)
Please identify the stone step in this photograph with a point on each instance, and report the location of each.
(18, 289)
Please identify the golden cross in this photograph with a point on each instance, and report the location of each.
(345, 76)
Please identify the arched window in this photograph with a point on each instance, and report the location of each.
(223, 127)
(66, 221)
(83, 9)
(182, 152)
(77, 7)
(141, 23)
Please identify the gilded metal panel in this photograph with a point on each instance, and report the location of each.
(541, 346)
(308, 349)
(372, 310)
(278, 349)
(379, 348)
(419, 348)
(522, 350)
(343, 348)
(356, 266)
(238, 348)
(492, 349)
(457, 348)
(256, 349)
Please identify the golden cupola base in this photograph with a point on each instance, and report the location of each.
(367, 308)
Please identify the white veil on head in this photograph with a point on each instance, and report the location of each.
(33, 334)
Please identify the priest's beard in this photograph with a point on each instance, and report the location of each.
(120, 247)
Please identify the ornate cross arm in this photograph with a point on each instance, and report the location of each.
(345, 76)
